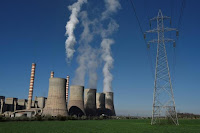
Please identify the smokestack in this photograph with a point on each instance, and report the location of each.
(31, 86)
(52, 74)
(76, 104)
(56, 103)
(100, 103)
(90, 102)
(67, 88)
(110, 111)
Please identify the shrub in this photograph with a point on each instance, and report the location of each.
(2, 118)
(48, 118)
(61, 118)
(38, 117)
(83, 117)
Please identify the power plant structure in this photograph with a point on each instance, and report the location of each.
(31, 86)
(67, 89)
(109, 105)
(56, 102)
(81, 101)
(100, 103)
(76, 101)
(90, 102)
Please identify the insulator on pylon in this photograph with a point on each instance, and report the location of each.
(177, 33)
(144, 36)
(170, 22)
(174, 44)
(150, 24)
(148, 45)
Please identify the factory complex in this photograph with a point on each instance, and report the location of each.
(81, 102)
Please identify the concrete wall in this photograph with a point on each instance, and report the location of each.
(109, 104)
(100, 103)
(2, 104)
(41, 101)
(56, 102)
(34, 104)
(90, 102)
(10, 104)
(22, 104)
(76, 103)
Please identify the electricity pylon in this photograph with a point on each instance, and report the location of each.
(163, 97)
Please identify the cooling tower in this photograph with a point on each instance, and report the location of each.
(100, 103)
(90, 102)
(76, 104)
(56, 103)
(30, 95)
(109, 104)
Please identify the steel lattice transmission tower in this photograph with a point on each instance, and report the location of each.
(163, 98)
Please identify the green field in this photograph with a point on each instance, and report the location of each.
(98, 126)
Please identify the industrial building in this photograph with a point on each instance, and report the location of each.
(81, 101)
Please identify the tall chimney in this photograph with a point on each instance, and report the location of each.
(67, 88)
(52, 74)
(31, 86)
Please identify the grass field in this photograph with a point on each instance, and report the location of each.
(98, 126)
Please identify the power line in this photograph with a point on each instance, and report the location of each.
(181, 14)
(148, 52)
(183, 3)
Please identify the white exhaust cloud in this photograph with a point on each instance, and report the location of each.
(112, 6)
(71, 25)
(87, 58)
(107, 58)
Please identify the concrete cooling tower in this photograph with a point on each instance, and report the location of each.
(56, 103)
(76, 104)
(109, 104)
(100, 103)
(90, 102)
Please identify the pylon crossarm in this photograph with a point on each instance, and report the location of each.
(156, 30)
(165, 41)
(163, 17)
(170, 29)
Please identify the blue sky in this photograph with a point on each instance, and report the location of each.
(33, 31)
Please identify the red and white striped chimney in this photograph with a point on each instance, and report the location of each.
(52, 74)
(30, 95)
(67, 88)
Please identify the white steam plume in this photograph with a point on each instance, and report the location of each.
(112, 6)
(87, 58)
(71, 25)
(106, 56)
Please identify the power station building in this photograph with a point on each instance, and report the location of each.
(80, 102)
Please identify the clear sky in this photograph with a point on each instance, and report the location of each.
(34, 31)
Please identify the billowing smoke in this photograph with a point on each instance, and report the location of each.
(71, 25)
(112, 6)
(106, 56)
(87, 58)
